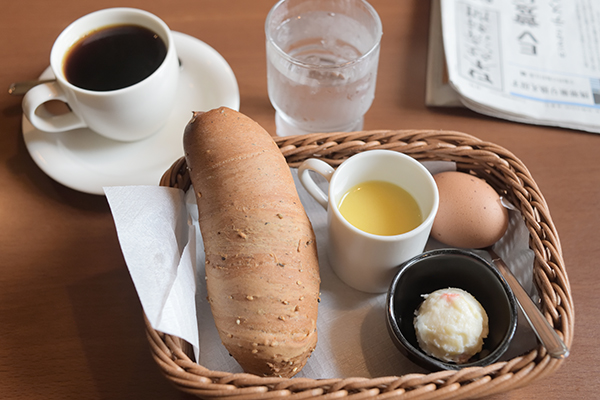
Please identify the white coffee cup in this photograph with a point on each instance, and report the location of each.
(362, 260)
(127, 114)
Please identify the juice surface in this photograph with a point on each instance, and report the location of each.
(380, 208)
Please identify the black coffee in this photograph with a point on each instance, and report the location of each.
(114, 57)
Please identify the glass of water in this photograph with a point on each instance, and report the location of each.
(322, 58)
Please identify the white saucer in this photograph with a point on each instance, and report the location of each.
(87, 162)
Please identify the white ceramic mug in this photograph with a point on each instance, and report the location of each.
(362, 260)
(128, 114)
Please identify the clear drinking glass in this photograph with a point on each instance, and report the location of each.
(322, 58)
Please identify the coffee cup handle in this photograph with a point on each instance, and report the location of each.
(323, 169)
(41, 118)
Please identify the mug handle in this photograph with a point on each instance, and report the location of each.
(44, 120)
(323, 169)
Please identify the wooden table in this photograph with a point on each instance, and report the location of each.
(70, 320)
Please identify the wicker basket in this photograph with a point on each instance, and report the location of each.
(507, 175)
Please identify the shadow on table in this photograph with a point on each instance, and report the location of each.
(111, 330)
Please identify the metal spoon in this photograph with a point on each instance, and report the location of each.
(20, 88)
(554, 345)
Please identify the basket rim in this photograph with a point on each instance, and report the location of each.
(497, 165)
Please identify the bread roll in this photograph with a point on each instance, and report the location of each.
(262, 270)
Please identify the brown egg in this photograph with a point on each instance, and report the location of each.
(470, 214)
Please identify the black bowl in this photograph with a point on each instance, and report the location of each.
(440, 269)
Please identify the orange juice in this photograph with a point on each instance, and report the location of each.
(380, 208)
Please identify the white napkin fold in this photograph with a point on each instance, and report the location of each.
(159, 246)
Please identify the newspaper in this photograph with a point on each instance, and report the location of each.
(529, 61)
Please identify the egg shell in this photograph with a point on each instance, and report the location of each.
(470, 213)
